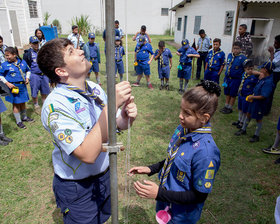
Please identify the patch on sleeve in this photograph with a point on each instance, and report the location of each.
(211, 165)
(66, 136)
(207, 185)
(54, 117)
(196, 145)
(54, 127)
(210, 174)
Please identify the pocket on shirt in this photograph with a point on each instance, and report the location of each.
(183, 172)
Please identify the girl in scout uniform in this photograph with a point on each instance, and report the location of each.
(259, 100)
(16, 75)
(119, 53)
(187, 175)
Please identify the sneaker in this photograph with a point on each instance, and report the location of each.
(254, 138)
(167, 87)
(150, 86)
(4, 143)
(28, 119)
(21, 125)
(240, 125)
(227, 111)
(240, 132)
(223, 109)
(277, 161)
(161, 87)
(136, 84)
(4, 138)
(37, 109)
(272, 150)
(235, 123)
(181, 91)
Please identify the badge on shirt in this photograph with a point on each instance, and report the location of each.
(78, 109)
(207, 184)
(236, 67)
(96, 91)
(66, 136)
(215, 62)
(248, 86)
(13, 74)
(54, 117)
(72, 100)
(196, 145)
(180, 175)
(211, 164)
(54, 127)
(210, 174)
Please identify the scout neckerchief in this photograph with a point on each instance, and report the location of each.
(17, 64)
(212, 58)
(88, 94)
(118, 52)
(161, 58)
(173, 151)
(232, 60)
(243, 80)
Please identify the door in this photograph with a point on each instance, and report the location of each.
(185, 27)
(14, 22)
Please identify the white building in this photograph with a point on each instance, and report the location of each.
(18, 20)
(221, 19)
(154, 14)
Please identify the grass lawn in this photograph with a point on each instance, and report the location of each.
(245, 188)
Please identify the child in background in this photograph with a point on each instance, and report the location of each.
(215, 62)
(92, 54)
(38, 81)
(2, 51)
(233, 76)
(248, 83)
(164, 57)
(142, 60)
(187, 174)
(186, 53)
(119, 53)
(40, 35)
(4, 140)
(76, 38)
(15, 74)
(259, 101)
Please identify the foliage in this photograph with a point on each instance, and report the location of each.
(167, 32)
(47, 15)
(83, 23)
(57, 24)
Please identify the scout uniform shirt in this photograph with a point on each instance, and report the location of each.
(215, 60)
(119, 52)
(184, 59)
(74, 39)
(194, 160)
(204, 44)
(163, 60)
(143, 52)
(69, 117)
(12, 73)
(2, 54)
(248, 84)
(235, 66)
(34, 66)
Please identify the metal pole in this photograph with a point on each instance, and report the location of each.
(110, 70)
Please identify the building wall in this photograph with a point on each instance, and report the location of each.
(138, 13)
(212, 20)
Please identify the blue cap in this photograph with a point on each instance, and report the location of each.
(185, 42)
(33, 40)
(142, 39)
(117, 38)
(269, 66)
(91, 35)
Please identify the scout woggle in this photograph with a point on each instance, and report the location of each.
(15, 90)
(135, 63)
(247, 99)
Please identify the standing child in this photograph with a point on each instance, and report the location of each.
(92, 54)
(4, 140)
(119, 53)
(40, 35)
(215, 62)
(233, 76)
(259, 101)
(187, 174)
(248, 83)
(38, 81)
(75, 37)
(142, 60)
(2, 51)
(16, 75)
(186, 53)
(164, 57)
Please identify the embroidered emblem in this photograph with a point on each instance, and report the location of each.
(199, 183)
(68, 132)
(236, 67)
(180, 175)
(13, 74)
(96, 91)
(54, 117)
(61, 136)
(207, 184)
(71, 100)
(182, 154)
(69, 139)
(210, 174)
(54, 127)
(78, 109)
(248, 86)
(196, 145)
(215, 62)
(211, 165)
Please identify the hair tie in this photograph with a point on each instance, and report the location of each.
(210, 87)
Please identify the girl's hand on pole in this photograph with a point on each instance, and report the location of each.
(147, 190)
(139, 170)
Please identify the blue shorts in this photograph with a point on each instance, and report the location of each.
(119, 68)
(21, 97)
(95, 66)
(212, 76)
(278, 125)
(83, 201)
(164, 72)
(232, 87)
(39, 82)
(257, 109)
(243, 105)
(189, 214)
(186, 72)
(2, 106)
(143, 68)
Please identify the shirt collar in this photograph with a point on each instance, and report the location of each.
(198, 133)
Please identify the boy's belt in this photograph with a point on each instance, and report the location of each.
(18, 82)
(186, 63)
(39, 73)
(118, 60)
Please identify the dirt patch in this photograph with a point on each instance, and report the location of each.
(24, 155)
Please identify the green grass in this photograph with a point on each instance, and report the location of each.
(245, 188)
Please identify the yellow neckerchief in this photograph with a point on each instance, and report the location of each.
(19, 68)
(230, 64)
(213, 55)
(243, 80)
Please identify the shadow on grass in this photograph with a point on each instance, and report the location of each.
(137, 214)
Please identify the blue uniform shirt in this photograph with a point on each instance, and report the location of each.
(138, 36)
(34, 66)
(235, 66)
(69, 117)
(93, 49)
(74, 39)
(264, 87)
(215, 60)
(119, 52)
(204, 44)
(143, 52)
(166, 55)
(2, 54)
(184, 57)
(248, 84)
(12, 72)
(194, 167)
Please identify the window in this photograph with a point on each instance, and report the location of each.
(197, 23)
(33, 9)
(164, 11)
(179, 24)
(228, 22)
